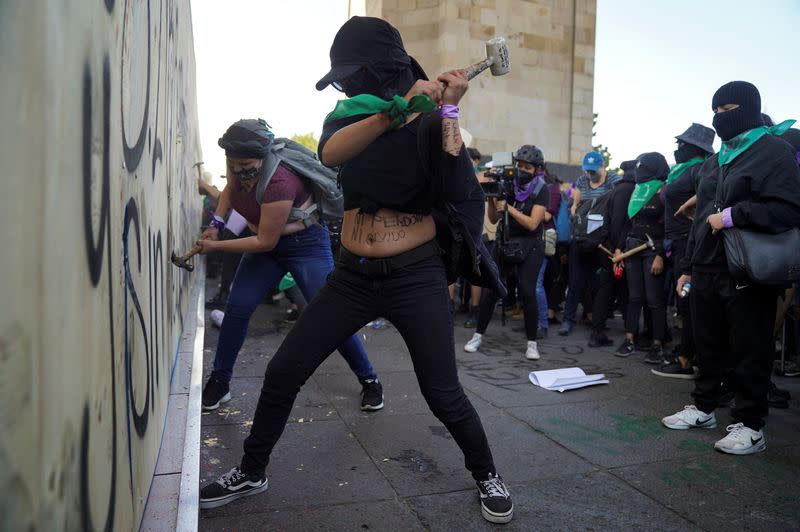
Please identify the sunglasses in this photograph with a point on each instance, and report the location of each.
(363, 77)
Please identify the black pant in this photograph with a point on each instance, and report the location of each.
(415, 299)
(527, 273)
(555, 277)
(645, 288)
(684, 305)
(733, 336)
(606, 290)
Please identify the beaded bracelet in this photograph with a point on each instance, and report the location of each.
(448, 111)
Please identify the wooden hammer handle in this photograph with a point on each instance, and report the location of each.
(631, 252)
(192, 252)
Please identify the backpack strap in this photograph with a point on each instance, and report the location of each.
(271, 162)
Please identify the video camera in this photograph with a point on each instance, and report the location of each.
(503, 172)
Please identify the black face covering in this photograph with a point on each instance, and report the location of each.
(734, 122)
(687, 151)
(380, 81)
(246, 175)
(747, 116)
(524, 177)
(594, 177)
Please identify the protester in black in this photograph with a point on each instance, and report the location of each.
(694, 147)
(525, 217)
(759, 190)
(607, 286)
(644, 270)
(389, 263)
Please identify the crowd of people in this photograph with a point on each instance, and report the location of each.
(646, 242)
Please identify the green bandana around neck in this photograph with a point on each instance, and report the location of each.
(642, 193)
(739, 144)
(398, 108)
(680, 168)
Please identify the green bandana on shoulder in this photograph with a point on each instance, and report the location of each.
(680, 168)
(398, 108)
(642, 193)
(739, 144)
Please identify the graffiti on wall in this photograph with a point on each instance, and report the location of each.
(134, 200)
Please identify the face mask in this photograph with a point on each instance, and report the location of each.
(248, 174)
(594, 177)
(686, 152)
(736, 121)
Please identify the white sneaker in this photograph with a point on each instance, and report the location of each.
(741, 440)
(690, 418)
(533, 352)
(474, 343)
(216, 317)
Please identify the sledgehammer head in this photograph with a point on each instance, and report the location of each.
(496, 59)
(497, 52)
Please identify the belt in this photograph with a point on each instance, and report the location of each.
(383, 267)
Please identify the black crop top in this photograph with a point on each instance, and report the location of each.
(388, 173)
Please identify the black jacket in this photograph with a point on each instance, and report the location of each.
(762, 185)
(677, 193)
(618, 222)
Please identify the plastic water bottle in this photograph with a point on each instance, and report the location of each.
(379, 323)
(686, 289)
(216, 317)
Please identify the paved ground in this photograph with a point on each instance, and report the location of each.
(591, 459)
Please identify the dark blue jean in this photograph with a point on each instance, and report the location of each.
(307, 256)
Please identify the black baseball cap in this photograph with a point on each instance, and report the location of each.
(363, 41)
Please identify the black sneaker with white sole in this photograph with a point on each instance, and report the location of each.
(626, 349)
(496, 505)
(233, 485)
(371, 395)
(215, 393)
(655, 355)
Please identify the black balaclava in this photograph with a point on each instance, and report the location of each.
(688, 151)
(650, 166)
(745, 117)
(628, 170)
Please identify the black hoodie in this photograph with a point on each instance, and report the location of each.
(762, 185)
(618, 222)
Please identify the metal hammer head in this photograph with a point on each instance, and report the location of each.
(650, 243)
(497, 53)
(181, 262)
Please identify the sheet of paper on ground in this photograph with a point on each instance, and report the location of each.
(565, 379)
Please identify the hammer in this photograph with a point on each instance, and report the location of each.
(181, 261)
(638, 249)
(496, 59)
(605, 250)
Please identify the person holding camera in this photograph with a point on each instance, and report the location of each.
(522, 203)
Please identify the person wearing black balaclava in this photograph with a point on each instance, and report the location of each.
(759, 190)
(399, 155)
(694, 147)
(644, 270)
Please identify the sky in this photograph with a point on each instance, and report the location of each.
(657, 65)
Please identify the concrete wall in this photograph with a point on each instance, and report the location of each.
(98, 139)
(546, 99)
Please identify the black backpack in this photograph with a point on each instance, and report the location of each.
(591, 214)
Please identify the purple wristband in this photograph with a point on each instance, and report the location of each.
(448, 111)
(727, 218)
(217, 222)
